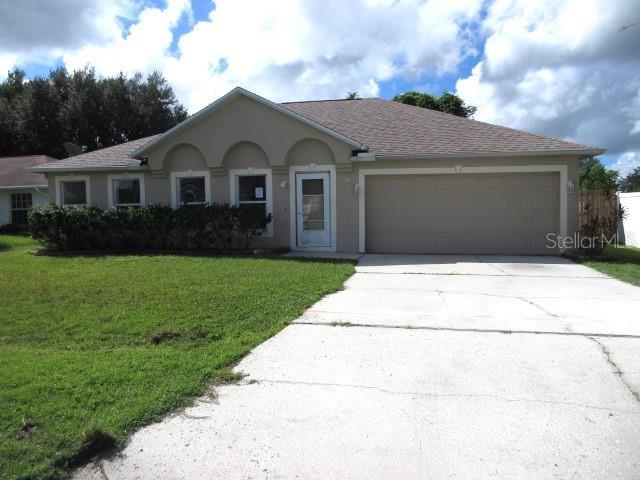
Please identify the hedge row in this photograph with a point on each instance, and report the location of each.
(203, 227)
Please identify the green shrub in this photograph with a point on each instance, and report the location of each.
(203, 227)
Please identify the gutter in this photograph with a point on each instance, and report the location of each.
(15, 187)
(587, 152)
(122, 168)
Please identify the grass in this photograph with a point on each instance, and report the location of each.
(80, 366)
(619, 262)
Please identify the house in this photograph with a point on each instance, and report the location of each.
(365, 175)
(21, 189)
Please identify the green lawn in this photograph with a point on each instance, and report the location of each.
(621, 262)
(76, 349)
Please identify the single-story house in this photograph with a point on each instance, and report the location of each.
(21, 189)
(365, 175)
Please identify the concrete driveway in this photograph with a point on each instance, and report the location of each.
(425, 367)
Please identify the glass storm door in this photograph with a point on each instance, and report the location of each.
(312, 210)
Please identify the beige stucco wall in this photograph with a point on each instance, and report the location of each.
(246, 134)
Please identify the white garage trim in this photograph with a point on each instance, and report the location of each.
(293, 244)
(561, 169)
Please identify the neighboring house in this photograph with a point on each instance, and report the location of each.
(21, 189)
(629, 227)
(364, 175)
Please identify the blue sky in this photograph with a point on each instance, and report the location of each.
(563, 68)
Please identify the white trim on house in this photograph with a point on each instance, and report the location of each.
(125, 176)
(73, 178)
(212, 107)
(312, 168)
(104, 168)
(561, 169)
(233, 190)
(585, 152)
(18, 187)
(175, 203)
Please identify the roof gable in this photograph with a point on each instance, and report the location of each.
(225, 99)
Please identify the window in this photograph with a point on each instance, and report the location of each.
(73, 191)
(190, 188)
(313, 204)
(191, 191)
(252, 190)
(253, 187)
(20, 205)
(126, 191)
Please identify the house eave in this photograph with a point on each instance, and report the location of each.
(582, 153)
(140, 152)
(22, 187)
(120, 168)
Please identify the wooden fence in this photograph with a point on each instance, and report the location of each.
(601, 207)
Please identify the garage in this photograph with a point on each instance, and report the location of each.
(476, 213)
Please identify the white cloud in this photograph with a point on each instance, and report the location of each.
(562, 68)
(291, 49)
(626, 163)
(32, 31)
(144, 48)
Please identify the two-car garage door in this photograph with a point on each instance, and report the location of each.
(502, 213)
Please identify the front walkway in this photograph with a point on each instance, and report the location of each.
(425, 367)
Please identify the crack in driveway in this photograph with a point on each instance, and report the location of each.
(616, 369)
(473, 330)
(539, 307)
(566, 277)
(447, 395)
(485, 294)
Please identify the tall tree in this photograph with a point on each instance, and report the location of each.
(595, 176)
(631, 183)
(447, 103)
(38, 115)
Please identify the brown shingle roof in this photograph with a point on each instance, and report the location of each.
(387, 128)
(13, 173)
(395, 129)
(108, 158)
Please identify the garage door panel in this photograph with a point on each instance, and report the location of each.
(516, 181)
(541, 224)
(472, 213)
(517, 225)
(541, 202)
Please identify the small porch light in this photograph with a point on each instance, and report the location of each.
(570, 187)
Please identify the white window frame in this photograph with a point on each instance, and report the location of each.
(21, 209)
(562, 170)
(73, 178)
(125, 176)
(312, 168)
(175, 176)
(234, 190)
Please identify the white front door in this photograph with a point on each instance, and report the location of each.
(313, 212)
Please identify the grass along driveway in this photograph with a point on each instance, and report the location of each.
(77, 340)
(620, 262)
